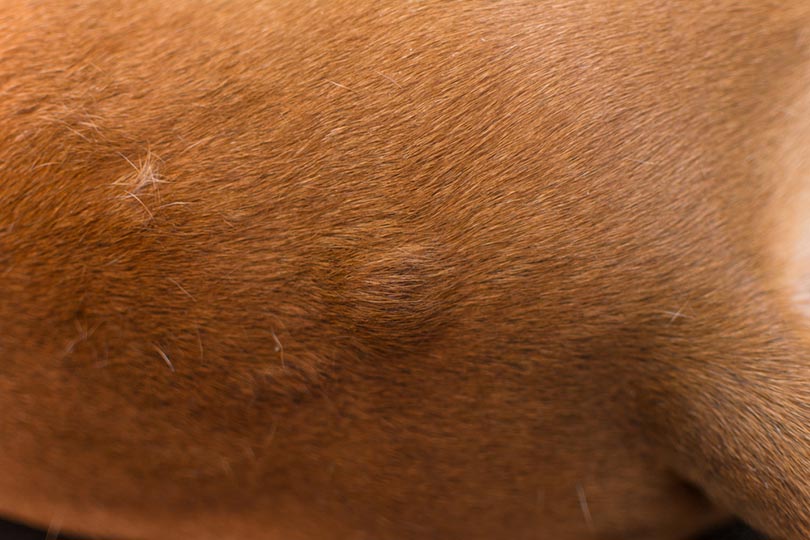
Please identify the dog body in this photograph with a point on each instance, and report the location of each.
(343, 270)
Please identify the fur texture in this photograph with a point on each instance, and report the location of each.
(343, 270)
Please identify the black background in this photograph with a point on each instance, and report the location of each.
(13, 531)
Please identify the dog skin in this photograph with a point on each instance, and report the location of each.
(352, 270)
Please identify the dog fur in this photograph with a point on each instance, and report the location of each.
(342, 270)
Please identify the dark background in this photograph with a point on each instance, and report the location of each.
(12, 531)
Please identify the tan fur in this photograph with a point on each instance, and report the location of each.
(458, 270)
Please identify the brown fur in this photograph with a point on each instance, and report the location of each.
(344, 270)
